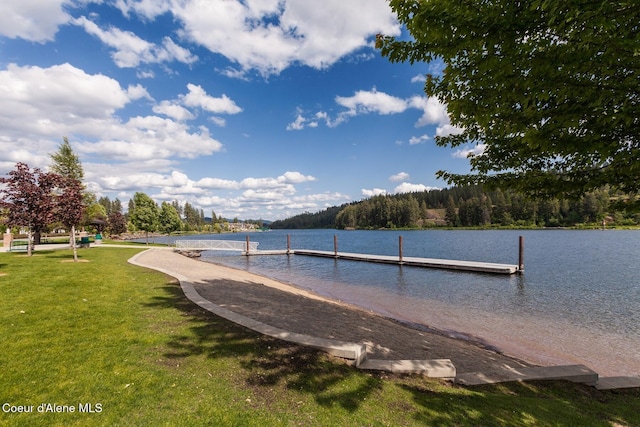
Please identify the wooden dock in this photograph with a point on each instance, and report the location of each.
(447, 264)
(251, 248)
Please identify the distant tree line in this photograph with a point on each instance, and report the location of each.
(469, 206)
(323, 219)
(145, 215)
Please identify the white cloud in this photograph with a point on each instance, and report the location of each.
(262, 196)
(26, 152)
(364, 102)
(174, 111)
(470, 151)
(295, 178)
(406, 187)
(151, 137)
(402, 176)
(267, 184)
(138, 92)
(141, 74)
(297, 124)
(131, 50)
(148, 9)
(448, 129)
(44, 104)
(414, 140)
(170, 51)
(137, 180)
(434, 112)
(324, 197)
(32, 20)
(218, 184)
(283, 182)
(46, 101)
(267, 36)
(218, 121)
(373, 192)
(271, 35)
(275, 194)
(375, 102)
(197, 97)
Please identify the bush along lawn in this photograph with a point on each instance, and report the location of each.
(104, 343)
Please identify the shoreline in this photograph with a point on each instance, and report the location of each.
(294, 309)
(299, 290)
(543, 331)
(522, 338)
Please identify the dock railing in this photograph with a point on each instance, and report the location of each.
(215, 245)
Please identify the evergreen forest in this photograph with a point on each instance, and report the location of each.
(470, 206)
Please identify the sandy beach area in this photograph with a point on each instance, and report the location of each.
(288, 307)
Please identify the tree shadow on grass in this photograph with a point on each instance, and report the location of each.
(540, 403)
(268, 362)
(56, 254)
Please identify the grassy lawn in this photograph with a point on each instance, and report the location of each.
(124, 340)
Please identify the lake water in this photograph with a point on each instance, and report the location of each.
(578, 300)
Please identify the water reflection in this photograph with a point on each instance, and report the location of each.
(401, 282)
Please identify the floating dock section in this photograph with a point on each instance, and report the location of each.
(447, 264)
(250, 248)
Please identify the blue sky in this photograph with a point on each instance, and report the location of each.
(252, 109)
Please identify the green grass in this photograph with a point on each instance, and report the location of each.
(105, 332)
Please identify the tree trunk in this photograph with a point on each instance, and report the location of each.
(29, 242)
(73, 243)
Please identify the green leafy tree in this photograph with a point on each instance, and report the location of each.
(169, 219)
(145, 213)
(107, 204)
(96, 215)
(193, 217)
(66, 162)
(549, 88)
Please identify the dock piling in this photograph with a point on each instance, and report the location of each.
(521, 255)
(335, 246)
(400, 249)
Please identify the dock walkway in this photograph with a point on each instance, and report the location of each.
(251, 248)
(448, 264)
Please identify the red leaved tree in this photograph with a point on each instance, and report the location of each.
(29, 199)
(69, 207)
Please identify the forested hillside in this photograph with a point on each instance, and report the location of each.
(467, 207)
(322, 219)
